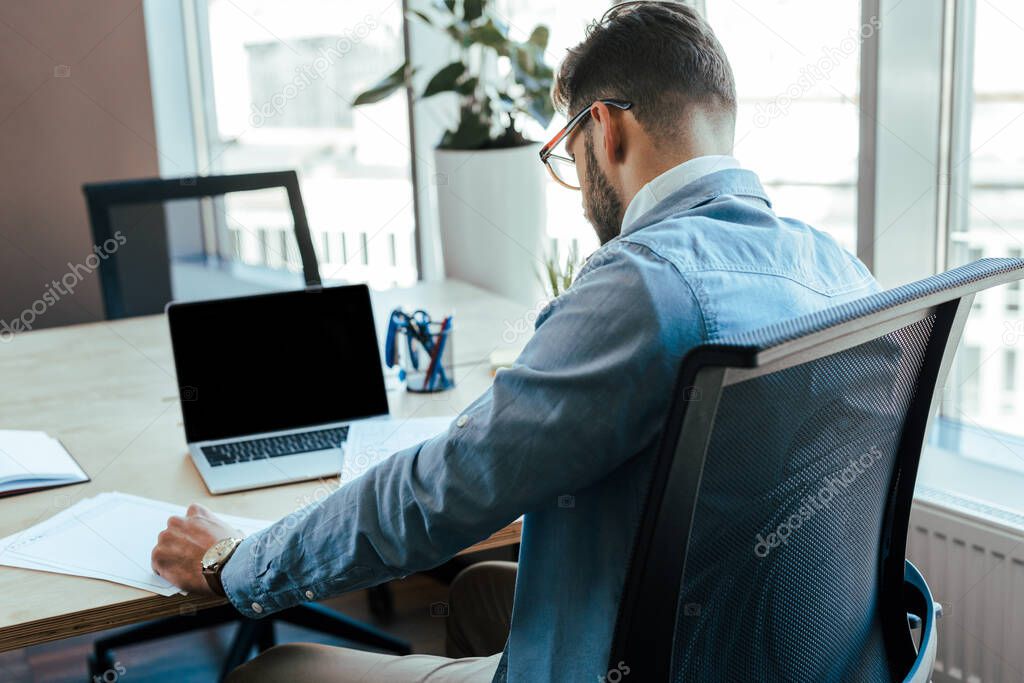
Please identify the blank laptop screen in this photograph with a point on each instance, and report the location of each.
(276, 361)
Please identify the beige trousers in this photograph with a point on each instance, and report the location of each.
(480, 613)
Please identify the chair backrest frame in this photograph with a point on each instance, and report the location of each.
(644, 635)
(100, 197)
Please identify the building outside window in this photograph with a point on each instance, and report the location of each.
(280, 99)
(979, 436)
(797, 66)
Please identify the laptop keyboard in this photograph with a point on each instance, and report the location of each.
(274, 446)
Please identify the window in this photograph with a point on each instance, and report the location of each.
(971, 358)
(567, 20)
(282, 76)
(994, 209)
(1009, 371)
(945, 187)
(980, 432)
(797, 66)
(973, 254)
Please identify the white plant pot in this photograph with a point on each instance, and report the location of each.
(493, 219)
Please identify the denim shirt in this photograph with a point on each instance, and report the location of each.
(566, 435)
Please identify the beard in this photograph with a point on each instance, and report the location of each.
(601, 204)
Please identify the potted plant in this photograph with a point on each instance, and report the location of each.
(490, 185)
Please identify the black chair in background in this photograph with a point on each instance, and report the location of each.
(161, 224)
(773, 543)
(136, 275)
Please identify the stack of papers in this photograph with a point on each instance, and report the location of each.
(30, 461)
(109, 536)
(371, 441)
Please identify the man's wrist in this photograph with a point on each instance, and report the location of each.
(241, 586)
(215, 559)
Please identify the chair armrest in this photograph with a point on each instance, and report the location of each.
(919, 598)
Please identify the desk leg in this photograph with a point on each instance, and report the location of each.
(265, 638)
(241, 646)
(102, 658)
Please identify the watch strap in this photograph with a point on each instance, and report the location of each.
(213, 578)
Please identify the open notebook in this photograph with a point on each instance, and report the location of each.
(30, 461)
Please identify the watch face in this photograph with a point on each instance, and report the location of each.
(215, 555)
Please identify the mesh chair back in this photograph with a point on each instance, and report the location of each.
(772, 547)
(781, 578)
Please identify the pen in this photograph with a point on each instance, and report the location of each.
(436, 358)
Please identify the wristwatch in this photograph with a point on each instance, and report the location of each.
(214, 560)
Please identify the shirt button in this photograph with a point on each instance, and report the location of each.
(309, 595)
(461, 422)
(257, 607)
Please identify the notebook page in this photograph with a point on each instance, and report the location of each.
(26, 456)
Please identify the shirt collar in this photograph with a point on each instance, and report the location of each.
(671, 180)
(734, 182)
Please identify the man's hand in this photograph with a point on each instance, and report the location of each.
(180, 547)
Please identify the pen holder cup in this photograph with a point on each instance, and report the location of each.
(427, 367)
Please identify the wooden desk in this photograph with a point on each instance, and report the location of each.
(107, 390)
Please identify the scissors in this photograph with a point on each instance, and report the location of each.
(419, 322)
(417, 325)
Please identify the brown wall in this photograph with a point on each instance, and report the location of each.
(60, 127)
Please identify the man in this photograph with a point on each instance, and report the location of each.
(691, 252)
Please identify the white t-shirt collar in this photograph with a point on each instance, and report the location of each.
(673, 179)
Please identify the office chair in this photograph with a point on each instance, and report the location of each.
(136, 278)
(772, 545)
(160, 221)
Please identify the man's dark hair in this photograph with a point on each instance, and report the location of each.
(661, 56)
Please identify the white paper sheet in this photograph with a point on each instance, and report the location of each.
(370, 441)
(109, 536)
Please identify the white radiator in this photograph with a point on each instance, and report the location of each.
(973, 561)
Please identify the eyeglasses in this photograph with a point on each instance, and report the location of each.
(555, 155)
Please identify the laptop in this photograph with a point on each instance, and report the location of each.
(269, 384)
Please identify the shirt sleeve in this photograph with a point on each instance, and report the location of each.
(589, 391)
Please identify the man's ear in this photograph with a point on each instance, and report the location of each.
(608, 133)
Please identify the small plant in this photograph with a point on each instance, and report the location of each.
(557, 278)
(497, 79)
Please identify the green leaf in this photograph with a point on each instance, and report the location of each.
(384, 88)
(540, 36)
(487, 34)
(553, 274)
(523, 77)
(456, 31)
(524, 61)
(422, 17)
(504, 103)
(498, 21)
(467, 86)
(445, 79)
(472, 9)
(450, 5)
(472, 133)
(540, 107)
(532, 72)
